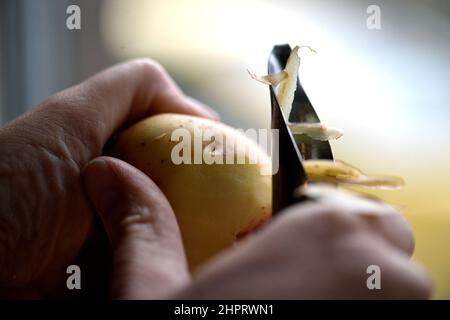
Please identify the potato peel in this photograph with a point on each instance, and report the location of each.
(273, 79)
(327, 171)
(287, 79)
(316, 131)
(338, 172)
(288, 87)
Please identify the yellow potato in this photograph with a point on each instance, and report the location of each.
(214, 203)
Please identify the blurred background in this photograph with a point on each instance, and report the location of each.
(388, 89)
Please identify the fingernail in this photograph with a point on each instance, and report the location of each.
(100, 183)
(212, 113)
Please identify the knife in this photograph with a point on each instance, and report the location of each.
(292, 149)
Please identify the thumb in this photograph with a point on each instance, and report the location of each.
(148, 257)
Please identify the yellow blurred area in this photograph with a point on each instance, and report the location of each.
(387, 89)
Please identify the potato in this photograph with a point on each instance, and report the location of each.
(214, 203)
(339, 172)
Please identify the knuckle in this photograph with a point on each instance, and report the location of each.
(131, 220)
(149, 68)
(394, 227)
(335, 216)
(323, 220)
(137, 215)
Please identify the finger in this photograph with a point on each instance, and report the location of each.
(383, 245)
(300, 256)
(134, 89)
(400, 277)
(379, 270)
(148, 257)
(91, 111)
(378, 216)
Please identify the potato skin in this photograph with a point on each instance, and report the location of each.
(213, 203)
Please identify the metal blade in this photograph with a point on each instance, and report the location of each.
(302, 109)
(290, 174)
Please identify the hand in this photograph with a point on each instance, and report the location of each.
(319, 250)
(45, 216)
(313, 250)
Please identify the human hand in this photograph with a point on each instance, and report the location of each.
(319, 250)
(46, 217)
(148, 259)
